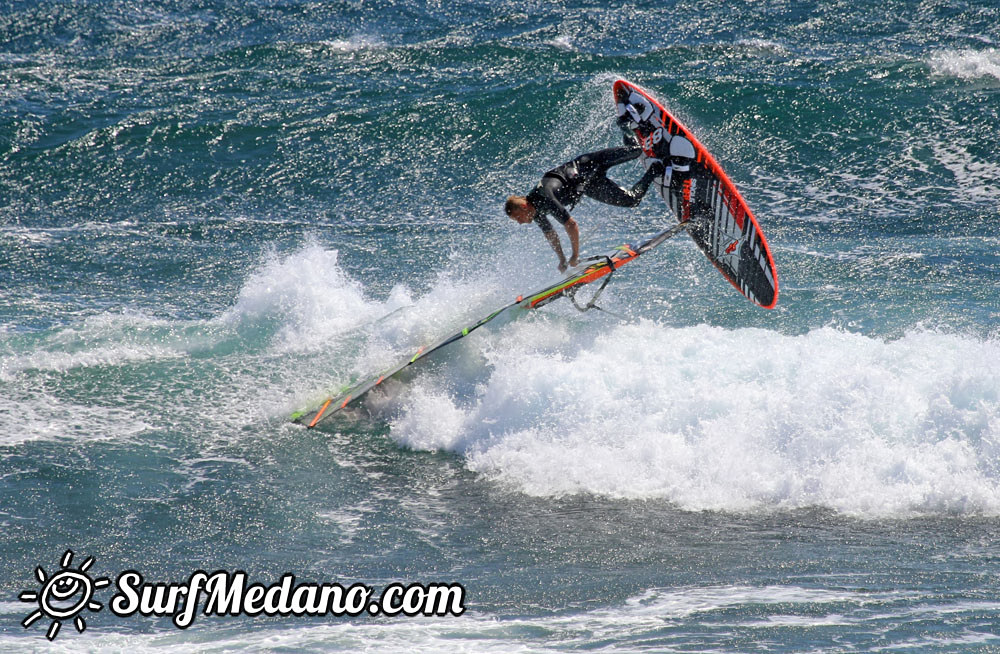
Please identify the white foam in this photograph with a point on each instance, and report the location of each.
(105, 355)
(26, 236)
(738, 420)
(562, 42)
(555, 404)
(639, 619)
(764, 46)
(41, 416)
(976, 177)
(300, 327)
(347, 522)
(967, 64)
(310, 297)
(108, 339)
(306, 304)
(32, 404)
(687, 601)
(354, 43)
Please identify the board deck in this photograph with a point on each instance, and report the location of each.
(722, 224)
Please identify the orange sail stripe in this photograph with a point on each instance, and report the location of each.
(320, 413)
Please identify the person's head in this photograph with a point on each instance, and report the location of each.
(519, 209)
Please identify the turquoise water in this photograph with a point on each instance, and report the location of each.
(212, 213)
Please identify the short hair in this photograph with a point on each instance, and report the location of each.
(512, 203)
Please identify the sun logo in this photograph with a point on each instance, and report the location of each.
(64, 595)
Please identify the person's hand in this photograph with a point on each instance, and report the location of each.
(574, 262)
(562, 265)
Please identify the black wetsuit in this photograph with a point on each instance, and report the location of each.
(586, 175)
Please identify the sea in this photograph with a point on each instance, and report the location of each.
(216, 213)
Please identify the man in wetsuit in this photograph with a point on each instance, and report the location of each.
(565, 185)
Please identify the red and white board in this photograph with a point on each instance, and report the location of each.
(698, 191)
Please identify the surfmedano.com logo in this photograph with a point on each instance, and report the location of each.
(65, 595)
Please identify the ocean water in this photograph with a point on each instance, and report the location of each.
(212, 213)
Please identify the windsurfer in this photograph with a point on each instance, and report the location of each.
(564, 186)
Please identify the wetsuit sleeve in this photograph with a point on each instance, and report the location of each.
(543, 222)
(544, 199)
